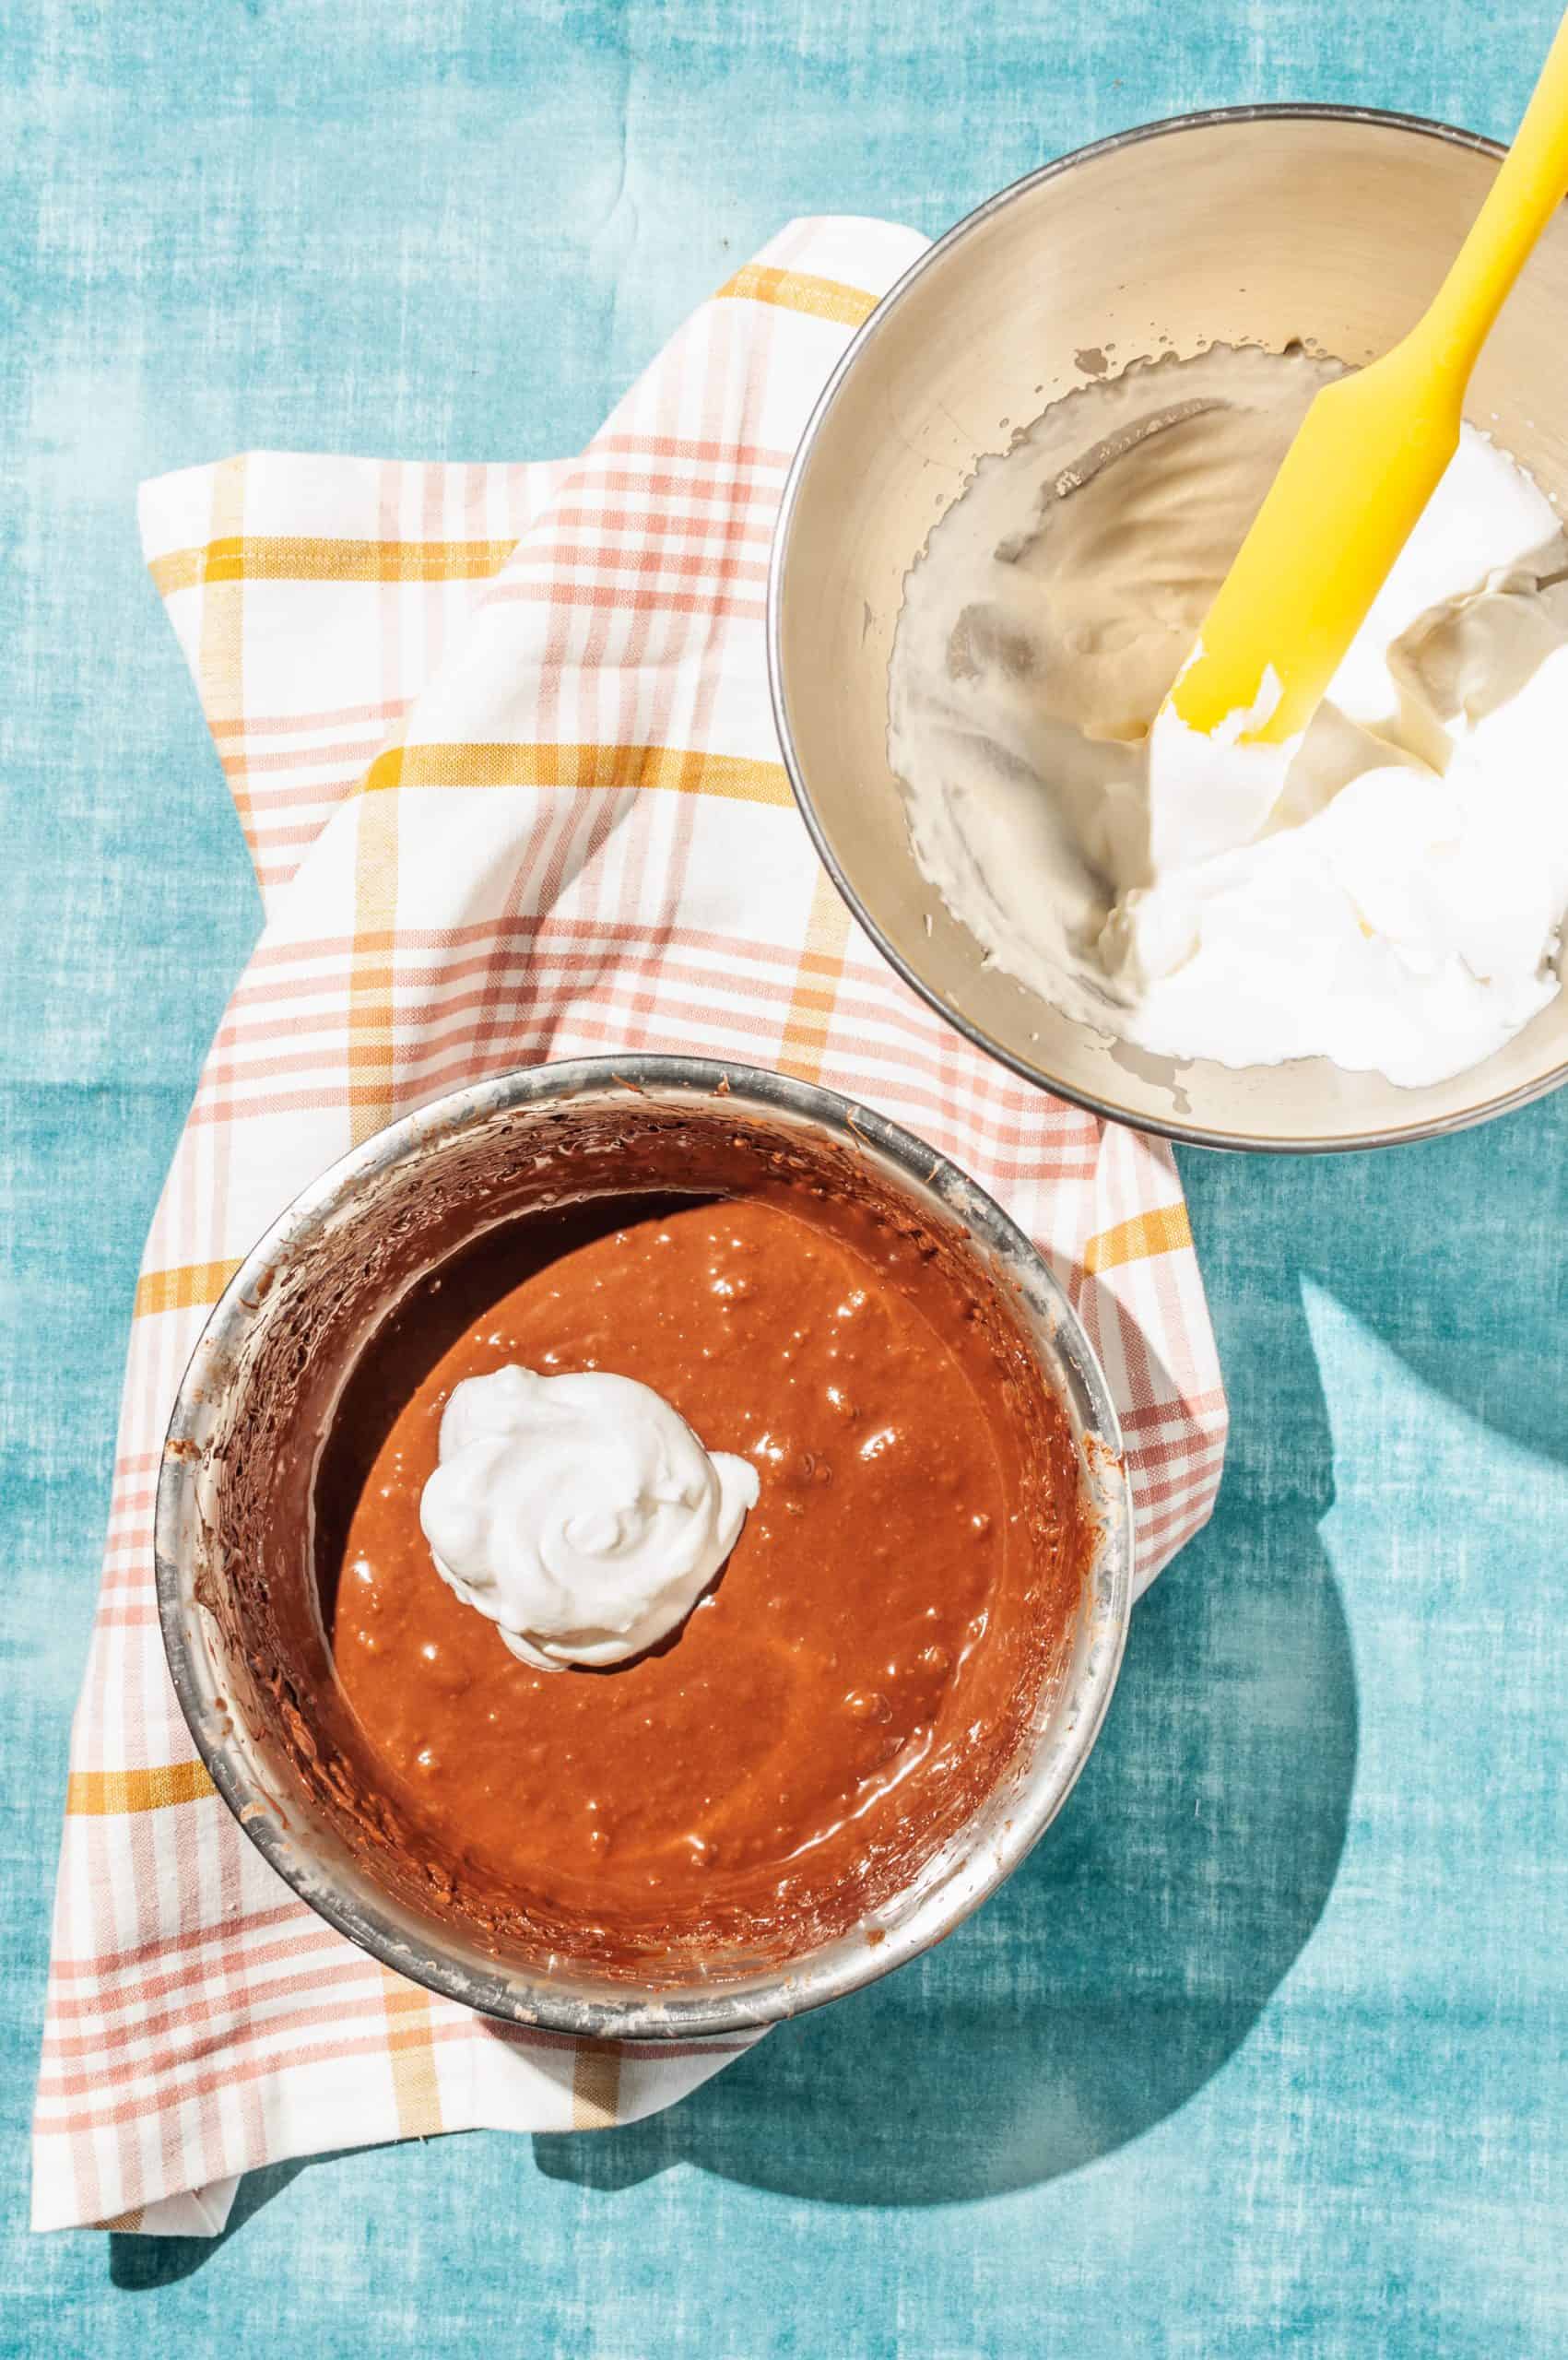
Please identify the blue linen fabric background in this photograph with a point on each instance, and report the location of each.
(1263, 2052)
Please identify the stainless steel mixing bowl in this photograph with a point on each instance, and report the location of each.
(1254, 226)
(290, 1328)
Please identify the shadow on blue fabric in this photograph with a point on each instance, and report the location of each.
(138, 2263)
(1121, 1966)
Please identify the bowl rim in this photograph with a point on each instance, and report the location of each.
(1188, 1134)
(644, 2015)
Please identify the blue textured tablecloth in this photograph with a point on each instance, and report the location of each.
(1264, 2049)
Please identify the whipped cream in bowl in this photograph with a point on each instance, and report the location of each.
(1387, 892)
(580, 1513)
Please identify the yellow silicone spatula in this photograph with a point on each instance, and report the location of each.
(1365, 462)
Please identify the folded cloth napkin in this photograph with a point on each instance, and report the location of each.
(501, 744)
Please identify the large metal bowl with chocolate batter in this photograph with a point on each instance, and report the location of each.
(237, 1595)
(1262, 225)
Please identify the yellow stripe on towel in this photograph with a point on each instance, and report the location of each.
(798, 290)
(101, 1794)
(182, 1288)
(732, 776)
(1165, 1231)
(302, 557)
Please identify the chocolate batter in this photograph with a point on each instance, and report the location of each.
(862, 1666)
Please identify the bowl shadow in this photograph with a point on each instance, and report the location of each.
(139, 2265)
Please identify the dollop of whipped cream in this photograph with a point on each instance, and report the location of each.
(1388, 891)
(580, 1513)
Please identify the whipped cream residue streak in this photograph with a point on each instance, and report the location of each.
(580, 1514)
(1388, 893)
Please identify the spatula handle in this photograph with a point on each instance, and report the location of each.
(1531, 183)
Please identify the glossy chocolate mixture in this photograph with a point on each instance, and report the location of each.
(857, 1676)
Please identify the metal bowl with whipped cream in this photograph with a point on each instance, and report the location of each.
(1062, 308)
(241, 1622)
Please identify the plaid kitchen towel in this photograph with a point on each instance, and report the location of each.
(499, 740)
